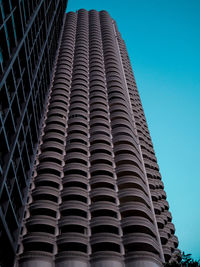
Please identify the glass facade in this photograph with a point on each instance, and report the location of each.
(29, 33)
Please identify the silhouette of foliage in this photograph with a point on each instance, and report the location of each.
(185, 261)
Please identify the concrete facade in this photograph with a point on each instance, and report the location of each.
(96, 197)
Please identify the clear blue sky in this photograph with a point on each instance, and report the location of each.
(163, 42)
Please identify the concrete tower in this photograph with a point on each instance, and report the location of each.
(96, 197)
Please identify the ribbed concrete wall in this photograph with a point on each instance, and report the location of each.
(97, 198)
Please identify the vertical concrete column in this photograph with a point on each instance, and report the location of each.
(73, 243)
(106, 245)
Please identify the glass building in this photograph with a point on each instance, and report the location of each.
(29, 33)
(96, 196)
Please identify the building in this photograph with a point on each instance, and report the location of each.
(29, 32)
(96, 197)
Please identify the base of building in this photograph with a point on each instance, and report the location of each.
(36, 263)
(71, 263)
(107, 263)
(142, 263)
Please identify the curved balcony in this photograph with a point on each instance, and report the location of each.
(71, 194)
(96, 121)
(77, 129)
(162, 193)
(120, 117)
(95, 75)
(165, 203)
(77, 119)
(49, 167)
(42, 207)
(126, 147)
(75, 138)
(49, 154)
(76, 115)
(99, 115)
(62, 79)
(101, 169)
(95, 65)
(130, 209)
(63, 63)
(63, 71)
(171, 227)
(133, 195)
(59, 99)
(152, 183)
(129, 170)
(72, 204)
(138, 224)
(73, 224)
(128, 158)
(97, 79)
(58, 106)
(80, 58)
(50, 180)
(125, 139)
(175, 240)
(100, 101)
(103, 194)
(168, 215)
(167, 252)
(80, 68)
(76, 180)
(154, 195)
(140, 242)
(160, 221)
(170, 244)
(45, 190)
(41, 242)
(50, 136)
(163, 236)
(75, 155)
(59, 94)
(65, 83)
(77, 168)
(112, 79)
(126, 182)
(123, 132)
(105, 242)
(72, 242)
(104, 221)
(80, 75)
(167, 229)
(100, 140)
(77, 209)
(106, 161)
(104, 209)
(102, 182)
(41, 224)
(55, 119)
(160, 203)
(55, 128)
(78, 94)
(157, 208)
(99, 106)
(57, 112)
